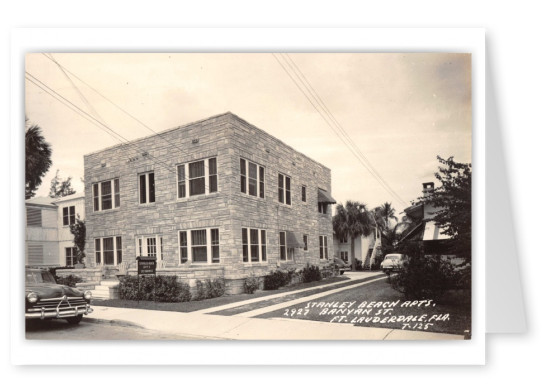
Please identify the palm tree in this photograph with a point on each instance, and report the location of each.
(38, 160)
(350, 221)
(387, 212)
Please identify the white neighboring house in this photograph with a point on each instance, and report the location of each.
(48, 238)
(363, 247)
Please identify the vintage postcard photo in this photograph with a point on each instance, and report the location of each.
(248, 196)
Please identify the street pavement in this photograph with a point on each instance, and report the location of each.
(204, 325)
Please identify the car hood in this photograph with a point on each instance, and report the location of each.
(48, 291)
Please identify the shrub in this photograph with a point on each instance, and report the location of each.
(165, 289)
(70, 280)
(200, 291)
(52, 270)
(251, 284)
(276, 279)
(209, 289)
(311, 273)
(424, 278)
(216, 288)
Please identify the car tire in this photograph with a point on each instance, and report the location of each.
(74, 319)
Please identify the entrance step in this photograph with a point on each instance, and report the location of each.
(101, 291)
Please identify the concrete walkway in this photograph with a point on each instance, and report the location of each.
(202, 325)
(239, 328)
(351, 277)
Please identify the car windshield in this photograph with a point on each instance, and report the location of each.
(38, 277)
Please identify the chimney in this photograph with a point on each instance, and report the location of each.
(428, 188)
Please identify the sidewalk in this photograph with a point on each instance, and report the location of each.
(239, 328)
(202, 325)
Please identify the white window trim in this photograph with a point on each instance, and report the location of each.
(146, 174)
(141, 245)
(324, 246)
(68, 215)
(260, 257)
(112, 195)
(279, 245)
(73, 256)
(115, 255)
(209, 247)
(207, 178)
(285, 189)
(247, 178)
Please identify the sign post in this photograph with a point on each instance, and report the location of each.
(147, 266)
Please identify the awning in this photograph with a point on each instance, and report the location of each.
(292, 241)
(325, 198)
(434, 232)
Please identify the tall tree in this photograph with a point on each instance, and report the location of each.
(453, 198)
(387, 213)
(78, 229)
(350, 221)
(38, 158)
(60, 187)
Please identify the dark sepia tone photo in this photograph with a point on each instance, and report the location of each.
(254, 196)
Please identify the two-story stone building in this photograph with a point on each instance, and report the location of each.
(214, 198)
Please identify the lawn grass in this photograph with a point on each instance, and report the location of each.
(276, 300)
(455, 303)
(191, 306)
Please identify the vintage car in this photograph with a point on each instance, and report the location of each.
(393, 262)
(44, 299)
(341, 265)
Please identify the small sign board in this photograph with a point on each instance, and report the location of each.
(146, 265)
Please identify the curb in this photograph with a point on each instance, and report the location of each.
(117, 322)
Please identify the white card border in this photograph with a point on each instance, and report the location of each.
(24, 352)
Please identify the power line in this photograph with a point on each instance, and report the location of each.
(65, 71)
(339, 126)
(81, 112)
(336, 127)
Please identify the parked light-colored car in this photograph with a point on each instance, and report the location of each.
(393, 262)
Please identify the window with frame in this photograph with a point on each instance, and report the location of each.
(199, 245)
(343, 240)
(150, 246)
(303, 193)
(106, 195)
(344, 255)
(322, 207)
(194, 176)
(254, 245)
(68, 215)
(323, 247)
(70, 256)
(108, 250)
(305, 240)
(252, 178)
(282, 246)
(284, 189)
(147, 187)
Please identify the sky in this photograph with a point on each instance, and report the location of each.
(398, 111)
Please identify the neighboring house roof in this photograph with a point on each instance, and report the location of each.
(41, 201)
(414, 211)
(69, 197)
(51, 202)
